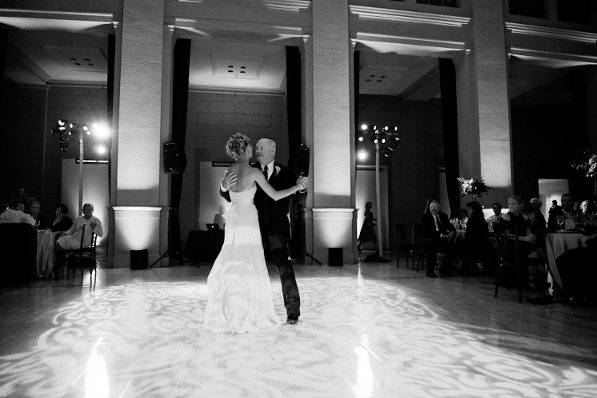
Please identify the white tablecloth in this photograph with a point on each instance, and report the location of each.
(45, 253)
(559, 243)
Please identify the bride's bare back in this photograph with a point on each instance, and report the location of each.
(247, 176)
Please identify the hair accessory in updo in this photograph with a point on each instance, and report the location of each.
(237, 145)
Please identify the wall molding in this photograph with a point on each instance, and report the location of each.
(394, 15)
(47, 14)
(551, 32)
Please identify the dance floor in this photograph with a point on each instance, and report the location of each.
(365, 331)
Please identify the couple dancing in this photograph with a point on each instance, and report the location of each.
(238, 286)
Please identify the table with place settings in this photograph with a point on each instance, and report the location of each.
(45, 252)
(557, 244)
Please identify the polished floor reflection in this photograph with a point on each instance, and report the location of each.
(369, 331)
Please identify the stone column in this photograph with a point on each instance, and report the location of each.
(306, 49)
(591, 79)
(138, 141)
(333, 130)
(483, 105)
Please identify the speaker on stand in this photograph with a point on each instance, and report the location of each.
(175, 162)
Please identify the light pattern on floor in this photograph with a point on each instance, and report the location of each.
(355, 338)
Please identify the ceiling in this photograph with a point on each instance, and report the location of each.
(56, 52)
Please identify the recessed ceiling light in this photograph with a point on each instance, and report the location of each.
(379, 81)
(383, 77)
(78, 63)
(371, 75)
(368, 80)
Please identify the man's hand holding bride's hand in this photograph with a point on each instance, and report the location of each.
(229, 180)
(302, 183)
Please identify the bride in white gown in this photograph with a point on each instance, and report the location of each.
(238, 286)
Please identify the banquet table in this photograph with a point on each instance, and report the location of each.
(45, 252)
(557, 244)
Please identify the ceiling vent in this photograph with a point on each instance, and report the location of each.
(236, 67)
(89, 59)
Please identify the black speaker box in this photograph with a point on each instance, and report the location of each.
(175, 159)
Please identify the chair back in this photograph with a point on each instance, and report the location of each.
(82, 237)
(417, 234)
(400, 233)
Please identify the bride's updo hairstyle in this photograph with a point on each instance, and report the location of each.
(237, 145)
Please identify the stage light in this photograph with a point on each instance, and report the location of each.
(361, 139)
(386, 128)
(375, 141)
(101, 150)
(85, 128)
(364, 127)
(101, 130)
(362, 155)
(383, 140)
(396, 128)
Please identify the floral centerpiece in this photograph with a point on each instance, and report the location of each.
(473, 187)
(587, 165)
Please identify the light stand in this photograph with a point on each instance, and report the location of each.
(64, 132)
(386, 141)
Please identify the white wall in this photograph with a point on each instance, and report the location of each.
(95, 190)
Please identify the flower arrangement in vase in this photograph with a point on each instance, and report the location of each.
(587, 165)
(474, 187)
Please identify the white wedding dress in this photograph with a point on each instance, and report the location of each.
(238, 287)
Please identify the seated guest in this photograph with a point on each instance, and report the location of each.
(437, 233)
(14, 214)
(496, 219)
(62, 222)
(219, 217)
(476, 236)
(536, 221)
(71, 239)
(587, 208)
(34, 212)
(518, 224)
(563, 217)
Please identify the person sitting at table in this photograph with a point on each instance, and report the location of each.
(34, 211)
(563, 217)
(536, 220)
(438, 235)
(71, 239)
(14, 214)
(476, 237)
(62, 222)
(517, 226)
(219, 217)
(495, 220)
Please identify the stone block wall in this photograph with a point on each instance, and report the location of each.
(413, 170)
(24, 134)
(211, 119)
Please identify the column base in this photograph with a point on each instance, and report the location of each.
(135, 228)
(334, 228)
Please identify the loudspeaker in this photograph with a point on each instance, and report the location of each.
(335, 257)
(175, 160)
(302, 161)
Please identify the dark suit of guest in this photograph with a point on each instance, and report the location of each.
(275, 234)
(476, 237)
(434, 226)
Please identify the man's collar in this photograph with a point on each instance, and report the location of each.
(270, 166)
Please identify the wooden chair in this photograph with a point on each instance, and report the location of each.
(417, 251)
(83, 257)
(506, 264)
(402, 244)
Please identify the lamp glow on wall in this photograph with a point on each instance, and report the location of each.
(99, 135)
(385, 140)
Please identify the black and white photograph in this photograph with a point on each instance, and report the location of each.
(298, 198)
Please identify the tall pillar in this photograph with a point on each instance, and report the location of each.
(484, 107)
(591, 85)
(333, 130)
(138, 142)
(306, 49)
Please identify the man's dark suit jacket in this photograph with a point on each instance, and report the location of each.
(273, 217)
(429, 231)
